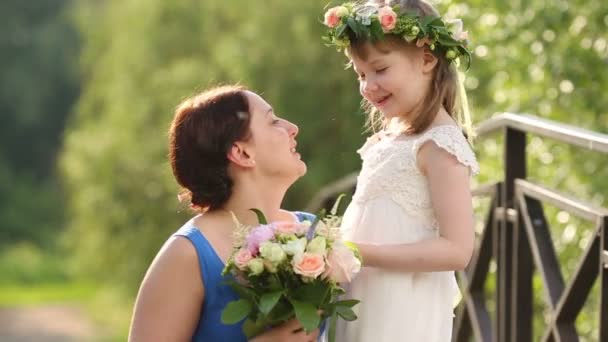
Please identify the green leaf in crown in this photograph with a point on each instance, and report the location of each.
(372, 22)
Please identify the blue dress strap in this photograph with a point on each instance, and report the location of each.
(209, 261)
(304, 216)
(217, 295)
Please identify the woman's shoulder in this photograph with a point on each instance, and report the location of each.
(178, 250)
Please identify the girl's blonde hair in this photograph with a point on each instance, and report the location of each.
(446, 88)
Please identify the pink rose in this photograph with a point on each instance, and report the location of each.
(242, 257)
(258, 235)
(342, 264)
(289, 228)
(332, 17)
(309, 265)
(456, 26)
(388, 18)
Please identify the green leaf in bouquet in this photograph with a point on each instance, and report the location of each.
(315, 293)
(269, 300)
(236, 311)
(252, 328)
(261, 217)
(274, 283)
(282, 312)
(333, 320)
(346, 313)
(242, 290)
(306, 313)
(349, 303)
(336, 207)
(353, 247)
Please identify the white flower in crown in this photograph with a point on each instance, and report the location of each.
(456, 26)
(364, 13)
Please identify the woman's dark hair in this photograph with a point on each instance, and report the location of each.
(202, 132)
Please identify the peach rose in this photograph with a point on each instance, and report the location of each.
(388, 18)
(342, 264)
(332, 18)
(309, 265)
(242, 257)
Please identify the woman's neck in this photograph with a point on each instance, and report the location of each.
(267, 199)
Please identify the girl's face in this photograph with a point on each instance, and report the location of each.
(395, 81)
(273, 141)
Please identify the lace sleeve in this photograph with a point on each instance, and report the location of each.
(451, 139)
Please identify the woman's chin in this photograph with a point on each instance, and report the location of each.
(303, 169)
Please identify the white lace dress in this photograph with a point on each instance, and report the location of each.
(392, 205)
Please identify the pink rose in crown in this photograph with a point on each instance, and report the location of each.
(388, 18)
(258, 235)
(242, 257)
(342, 265)
(331, 17)
(309, 265)
(456, 26)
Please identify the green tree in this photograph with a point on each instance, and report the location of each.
(140, 60)
(38, 50)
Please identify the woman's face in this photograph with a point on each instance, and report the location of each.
(273, 141)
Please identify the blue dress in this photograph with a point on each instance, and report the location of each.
(217, 295)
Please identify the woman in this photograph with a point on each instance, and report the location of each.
(230, 152)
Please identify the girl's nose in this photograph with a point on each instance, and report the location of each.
(367, 87)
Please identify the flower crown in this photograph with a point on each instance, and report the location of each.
(371, 21)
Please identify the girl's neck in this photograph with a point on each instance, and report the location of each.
(400, 124)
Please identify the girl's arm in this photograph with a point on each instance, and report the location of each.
(170, 297)
(448, 182)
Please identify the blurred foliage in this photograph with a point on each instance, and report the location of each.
(39, 84)
(27, 264)
(140, 61)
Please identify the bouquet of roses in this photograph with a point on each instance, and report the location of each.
(284, 270)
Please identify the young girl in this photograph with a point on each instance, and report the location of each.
(230, 152)
(411, 215)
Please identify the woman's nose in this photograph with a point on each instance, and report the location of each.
(292, 128)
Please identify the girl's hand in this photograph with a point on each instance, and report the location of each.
(290, 331)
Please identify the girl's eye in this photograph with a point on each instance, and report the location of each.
(275, 121)
(381, 70)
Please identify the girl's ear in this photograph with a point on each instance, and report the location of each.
(241, 156)
(429, 60)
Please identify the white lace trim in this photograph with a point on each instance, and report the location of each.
(451, 139)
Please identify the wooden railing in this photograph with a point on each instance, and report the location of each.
(517, 237)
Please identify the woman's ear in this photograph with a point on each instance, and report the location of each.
(241, 156)
(429, 60)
